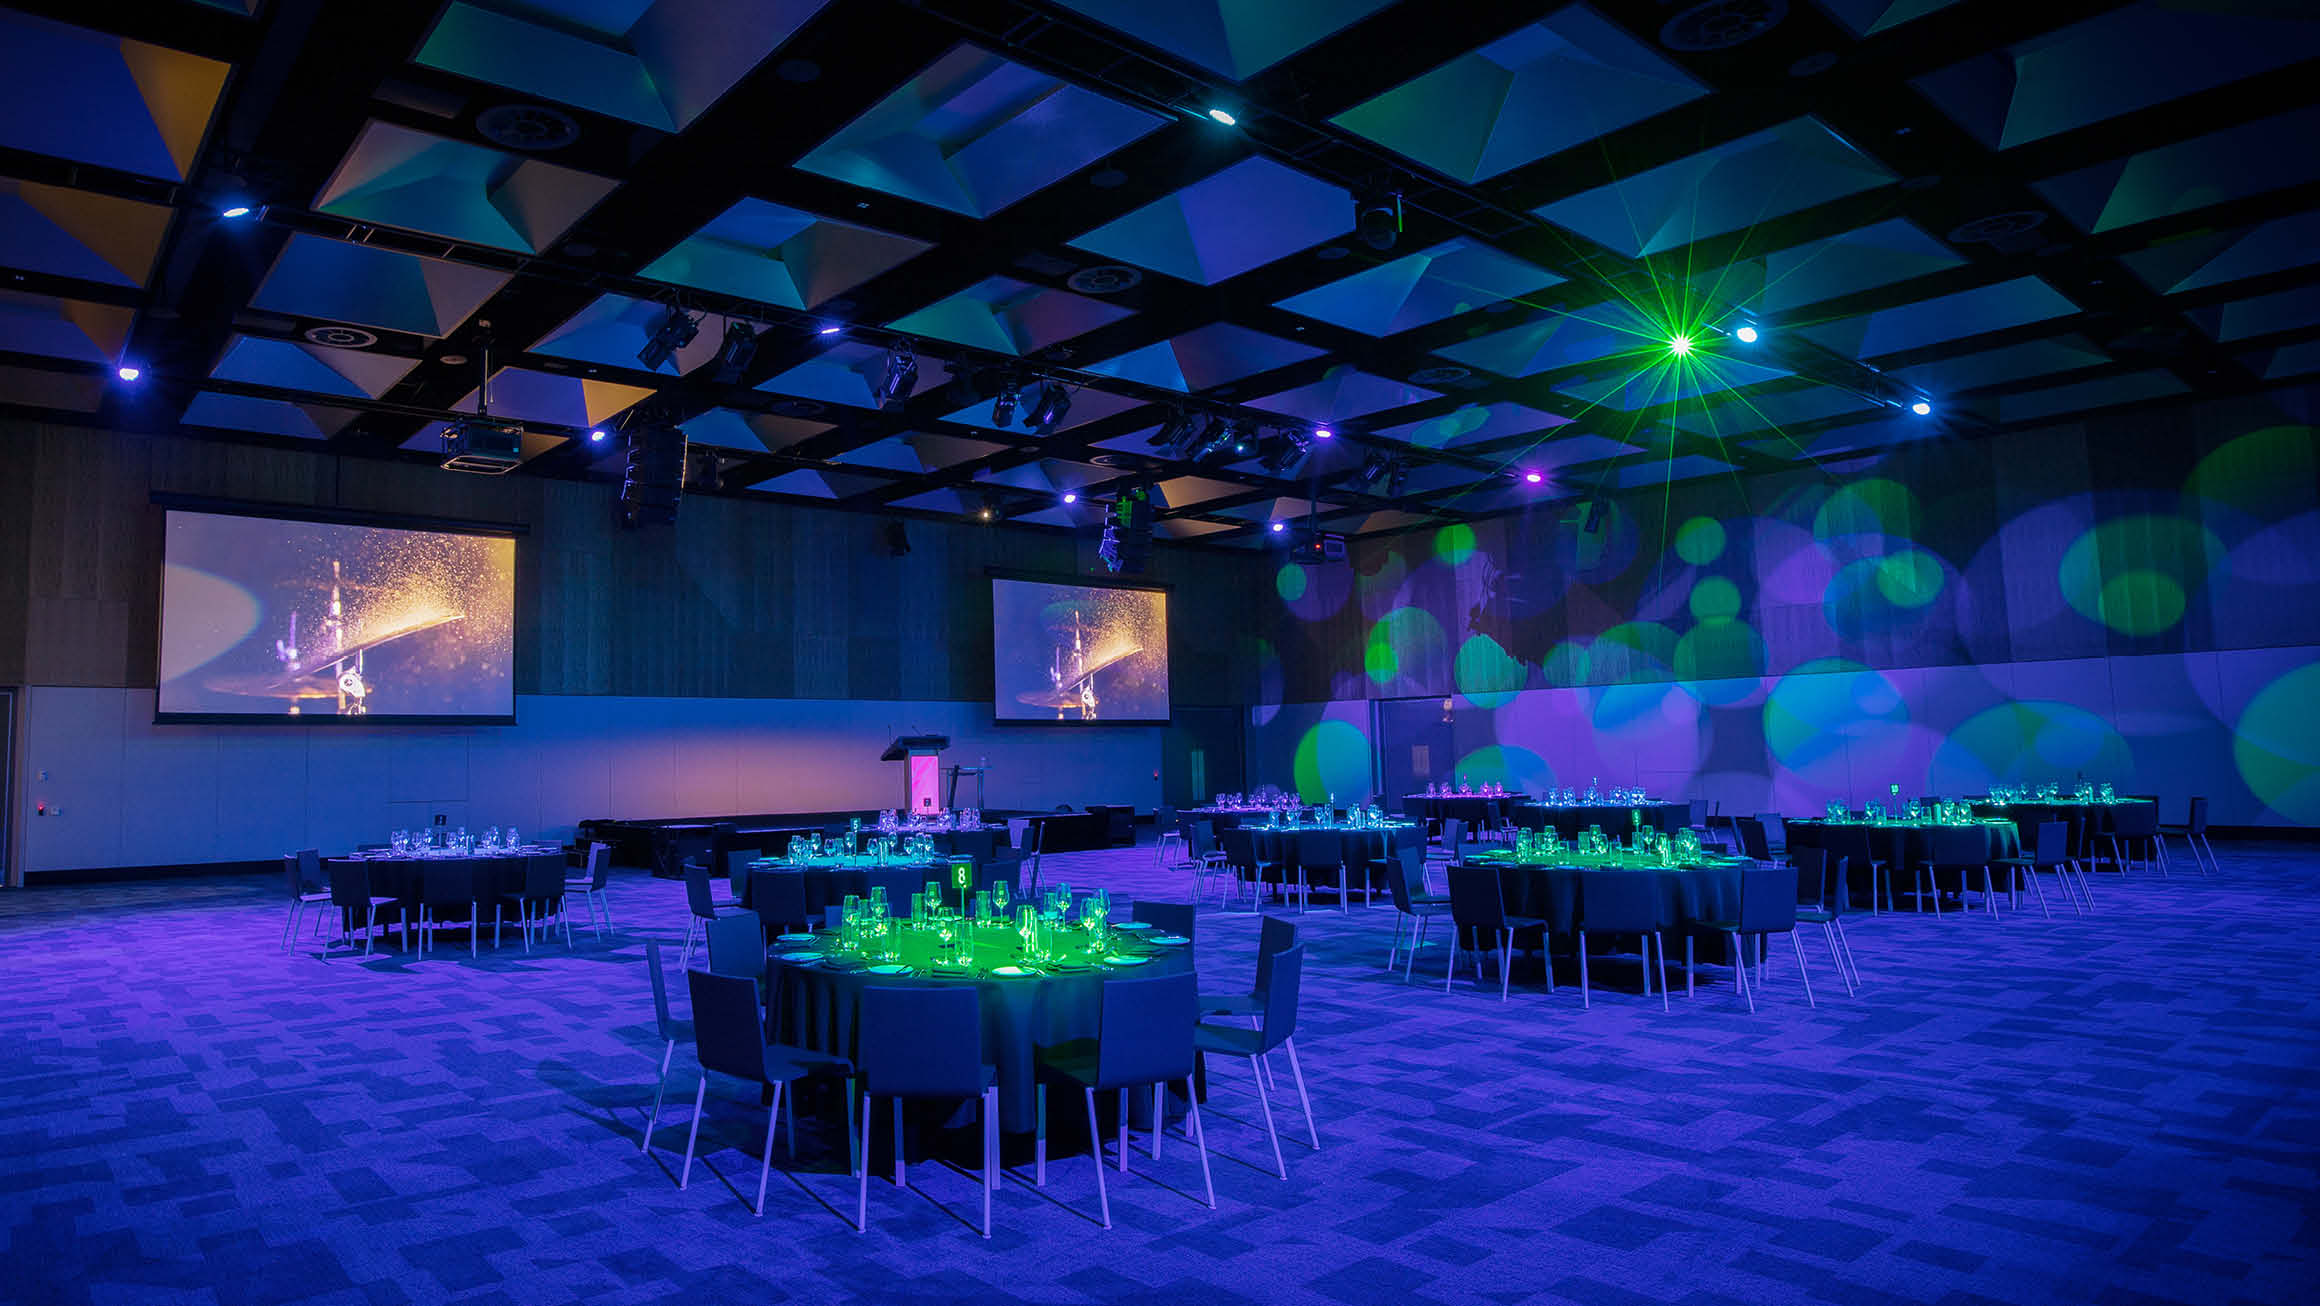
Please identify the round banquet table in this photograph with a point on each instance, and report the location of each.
(1615, 819)
(1474, 809)
(981, 843)
(404, 876)
(815, 1002)
(829, 881)
(1898, 844)
(1332, 846)
(2086, 820)
(1557, 894)
(1228, 818)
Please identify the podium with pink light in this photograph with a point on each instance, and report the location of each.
(921, 758)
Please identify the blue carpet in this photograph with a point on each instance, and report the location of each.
(2112, 1109)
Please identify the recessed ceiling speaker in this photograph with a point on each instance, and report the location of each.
(1105, 279)
(1442, 374)
(341, 337)
(1998, 228)
(797, 408)
(1721, 24)
(527, 127)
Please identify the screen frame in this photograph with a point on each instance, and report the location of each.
(1162, 588)
(297, 512)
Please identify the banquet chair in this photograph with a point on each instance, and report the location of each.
(453, 883)
(1849, 844)
(2193, 832)
(1168, 917)
(1775, 833)
(1276, 936)
(1820, 900)
(702, 900)
(303, 871)
(540, 897)
(1477, 904)
(1414, 909)
(589, 884)
(924, 1043)
(1034, 835)
(2049, 851)
(1454, 839)
(737, 945)
(2134, 830)
(350, 892)
(1753, 843)
(671, 1031)
(729, 1039)
(1767, 907)
(1622, 902)
(1278, 1030)
(1204, 857)
(1240, 858)
(1169, 838)
(1964, 848)
(779, 899)
(1145, 1038)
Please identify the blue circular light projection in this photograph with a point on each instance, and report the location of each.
(1332, 758)
(2277, 745)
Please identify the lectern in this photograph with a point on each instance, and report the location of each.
(920, 756)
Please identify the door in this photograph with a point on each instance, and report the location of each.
(1416, 746)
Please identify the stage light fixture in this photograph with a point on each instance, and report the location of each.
(1176, 432)
(1053, 406)
(1239, 432)
(1532, 478)
(1003, 407)
(1372, 468)
(1070, 496)
(1921, 408)
(1397, 478)
(1377, 219)
(127, 372)
(829, 330)
(1680, 345)
(1323, 433)
(234, 211)
(596, 436)
(1746, 335)
(1224, 116)
(1213, 440)
(673, 332)
(900, 377)
(1279, 526)
(733, 357)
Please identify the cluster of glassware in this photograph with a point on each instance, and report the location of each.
(1358, 817)
(891, 821)
(880, 849)
(868, 927)
(441, 842)
(1258, 803)
(2051, 791)
(1463, 788)
(1652, 847)
(1596, 796)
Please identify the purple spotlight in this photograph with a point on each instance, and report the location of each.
(127, 372)
(1070, 497)
(1279, 527)
(596, 436)
(830, 330)
(1533, 477)
(1323, 433)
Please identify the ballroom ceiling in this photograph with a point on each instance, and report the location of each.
(2011, 213)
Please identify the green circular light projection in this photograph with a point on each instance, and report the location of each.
(1332, 758)
(1911, 578)
(1724, 657)
(2277, 745)
(1567, 664)
(2030, 742)
(1875, 506)
(2265, 474)
(1290, 581)
(1700, 541)
(1454, 543)
(1507, 764)
(1486, 673)
(1403, 640)
(1715, 599)
(1819, 706)
(1634, 652)
(2136, 574)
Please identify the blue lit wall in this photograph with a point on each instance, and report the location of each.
(2135, 600)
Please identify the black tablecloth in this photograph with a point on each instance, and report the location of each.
(2086, 820)
(1614, 819)
(819, 1008)
(1227, 818)
(1901, 844)
(405, 878)
(828, 886)
(1470, 808)
(1557, 894)
(1328, 849)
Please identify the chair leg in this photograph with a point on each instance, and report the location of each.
(990, 1114)
(1039, 1140)
(1120, 1105)
(1689, 990)
(862, 1185)
(660, 1086)
(1096, 1154)
(1662, 942)
(1297, 1072)
(1410, 962)
(700, 1096)
(1586, 994)
(290, 926)
(1505, 955)
(901, 1172)
(1199, 1140)
(1394, 947)
(2037, 890)
(1265, 1101)
(1159, 1118)
(1798, 944)
(692, 927)
(765, 1167)
(1740, 971)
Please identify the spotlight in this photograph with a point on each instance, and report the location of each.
(1397, 478)
(1054, 404)
(901, 376)
(1745, 335)
(1532, 478)
(1213, 440)
(234, 211)
(1278, 452)
(1224, 116)
(1372, 468)
(1176, 432)
(1003, 407)
(989, 508)
(1323, 433)
(596, 436)
(1279, 527)
(830, 330)
(1921, 408)
(1377, 219)
(1070, 496)
(734, 355)
(127, 372)
(1239, 432)
(984, 512)
(1680, 346)
(673, 332)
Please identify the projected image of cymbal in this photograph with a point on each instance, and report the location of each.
(269, 686)
(318, 676)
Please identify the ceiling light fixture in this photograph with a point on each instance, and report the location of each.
(1071, 496)
(830, 330)
(901, 376)
(1922, 408)
(127, 372)
(1053, 406)
(1532, 478)
(1680, 346)
(596, 436)
(733, 357)
(1003, 407)
(1176, 432)
(234, 211)
(1224, 116)
(1377, 219)
(1279, 527)
(1323, 433)
(1745, 335)
(673, 332)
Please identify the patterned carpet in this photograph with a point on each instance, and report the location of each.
(2111, 1109)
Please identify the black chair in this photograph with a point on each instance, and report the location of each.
(1414, 909)
(672, 1032)
(1753, 843)
(1622, 902)
(1205, 857)
(540, 898)
(1034, 835)
(925, 1043)
(303, 871)
(1240, 858)
(2194, 835)
(1478, 904)
(729, 1039)
(1167, 836)
(1146, 1038)
(737, 946)
(1961, 848)
(1767, 907)
(350, 892)
(2134, 836)
(702, 900)
(1849, 844)
(450, 884)
(1274, 937)
(1775, 831)
(779, 899)
(2049, 851)
(1454, 839)
(589, 884)
(1278, 1030)
(1820, 900)
(1167, 917)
